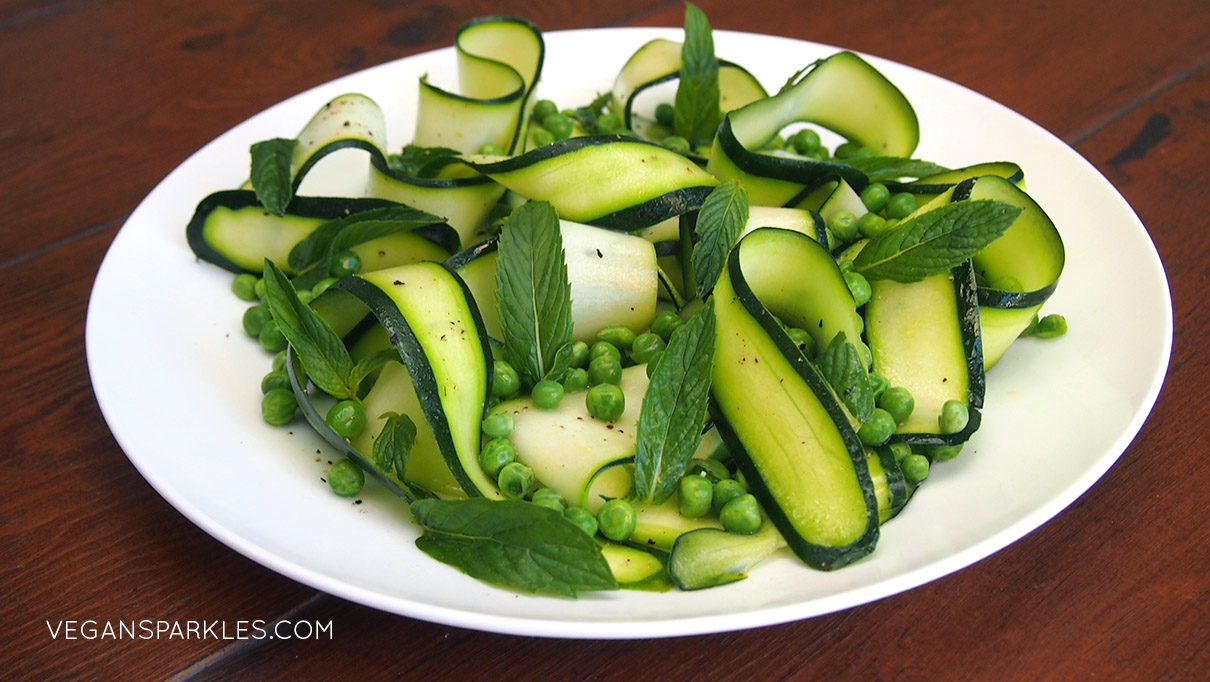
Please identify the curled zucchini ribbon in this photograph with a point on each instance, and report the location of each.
(792, 438)
(659, 61)
(842, 93)
(612, 181)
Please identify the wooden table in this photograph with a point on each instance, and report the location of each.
(103, 98)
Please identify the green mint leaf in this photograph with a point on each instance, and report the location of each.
(394, 444)
(339, 234)
(936, 241)
(561, 365)
(720, 221)
(271, 174)
(842, 365)
(322, 353)
(368, 364)
(697, 98)
(880, 168)
(674, 409)
(533, 295)
(513, 544)
(421, 162)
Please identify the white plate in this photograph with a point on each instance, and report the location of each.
(176, 378)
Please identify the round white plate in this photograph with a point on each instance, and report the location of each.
(177, 379)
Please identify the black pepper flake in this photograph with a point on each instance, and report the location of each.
(347, 124)
(609, 426)
(382, 253)
(323, 479)
(944, 379)
(356, 501)
(599, 254)
(398, 283)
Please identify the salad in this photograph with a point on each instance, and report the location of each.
(635, 343)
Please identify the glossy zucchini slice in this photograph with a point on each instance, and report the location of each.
(708, 557)
(432, 319)
(786, 428)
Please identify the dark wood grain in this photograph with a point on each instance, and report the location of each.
(103, 98)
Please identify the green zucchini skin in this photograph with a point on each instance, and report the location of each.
(463, 464)
(807, 172)
(317, 209)
(857, 488)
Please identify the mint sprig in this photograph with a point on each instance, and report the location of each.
(513, 544)
(272, 177)
(936, 241)
(720, 221)
(338, 234)
(841, 363)
(533, 295)
(321, 351)
(674, 409)
(394, 444)
(697, 113)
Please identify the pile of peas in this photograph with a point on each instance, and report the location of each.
(708, 486)
(554, 124)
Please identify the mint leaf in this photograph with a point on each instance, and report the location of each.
(842, 365)
(421, 162)
(394, 444)
(720, 221)
(368, 364)
(936, 241)
(271, 174)
(674, 409)
(533, 296)
(880, 168)
(513, 544)
(322, 353)
(339, 234)
(697, 99)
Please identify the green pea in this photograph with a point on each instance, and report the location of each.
(347, 418)
(900, 451)
(604, 348)
(696, 492)
(346, 478)
(605, 402)
(547, 394)
(943, 453)
(878, 384)
(617, 520)
(505, 379)
(710, 469)
(582, 518)
(898, 401)
(665, 114)
(1007, 283)
(344, 264)
(498, 425)
(875, 195)
(275, 379)
(724, 491)
(515, 480)
(802, 338)
(645, 345)
(901, 205)
(491, 149)
(544, 108)
(843, 225)
(653, 362)
(677, 144)
(279, 361)
(859, 287)
(820, 154)
(548, 497)
(1032, 327)
(255, 318)
(870, 225)
(576, 380)
(559, 125)
(579, 354)
(1051, 326)
(621, 337)
(278, 406)
(541, 137)
(604, 370)
(847, 150)
(664, 323)
(741, 515)
(778, 142)
(244, 286)
(954, 416)
(805, 141)
(260, 289)
(497, 454)
(271, 338)
(915, 468)
(607, 123)
(878, 429)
